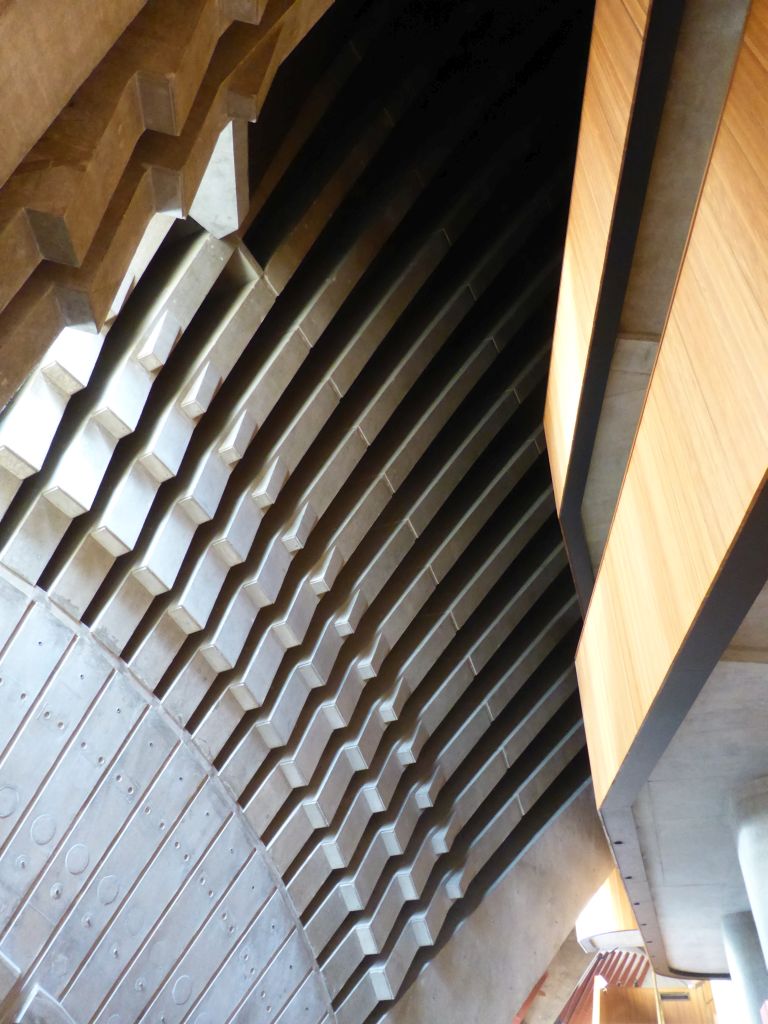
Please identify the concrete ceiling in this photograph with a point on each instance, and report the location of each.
(281, 575)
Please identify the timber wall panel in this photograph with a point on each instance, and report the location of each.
(700, 455)
(614, 60)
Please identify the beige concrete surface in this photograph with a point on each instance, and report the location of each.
(487, 969)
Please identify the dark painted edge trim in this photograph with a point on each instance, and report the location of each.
(741, 578)
(653, 78)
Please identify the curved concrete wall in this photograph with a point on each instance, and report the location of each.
(487, 969)
(131, 884)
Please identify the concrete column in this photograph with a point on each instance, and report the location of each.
(745, 963)
(751, 814)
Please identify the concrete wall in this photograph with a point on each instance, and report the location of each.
(563, 975)
(485, 972)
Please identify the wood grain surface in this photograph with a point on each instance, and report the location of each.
(614, 60)
(700, 455)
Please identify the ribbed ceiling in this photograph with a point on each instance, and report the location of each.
(303, 493)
